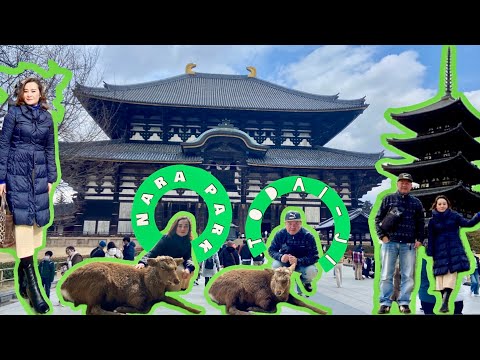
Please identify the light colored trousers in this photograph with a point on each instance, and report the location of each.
(338, 274)
(27, 239)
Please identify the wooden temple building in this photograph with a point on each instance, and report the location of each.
(245, 131)
(444, 148)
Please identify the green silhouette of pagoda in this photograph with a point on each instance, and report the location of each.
(444, 148)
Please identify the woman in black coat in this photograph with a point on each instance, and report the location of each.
(445, 245)
(177, 244)
(27, 172)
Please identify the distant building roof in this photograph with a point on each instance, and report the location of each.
(352, 214)
(220, 91)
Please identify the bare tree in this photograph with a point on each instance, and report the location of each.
(81, 60)
(76, 126)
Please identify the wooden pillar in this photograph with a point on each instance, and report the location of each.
(201, 215)
(243, 206)
(242, 217)
(113, 230)
(274, 217)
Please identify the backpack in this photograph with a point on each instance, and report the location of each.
(209, 263)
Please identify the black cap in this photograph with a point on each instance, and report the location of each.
(405, 176)
(292, 216)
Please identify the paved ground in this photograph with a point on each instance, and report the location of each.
(353, 298)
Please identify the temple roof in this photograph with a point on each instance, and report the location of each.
(225, 129)
(116, 150)
(219, 91)
(322, 157)
(457, 137)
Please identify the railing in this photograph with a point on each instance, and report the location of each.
(4, 278)
(80, 233)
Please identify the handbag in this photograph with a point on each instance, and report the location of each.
(7, 232)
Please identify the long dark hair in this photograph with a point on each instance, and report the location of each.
(43, 97)
(173, 230)
(434, 205)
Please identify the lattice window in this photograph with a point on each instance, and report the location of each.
(103, 227)
(89, 227)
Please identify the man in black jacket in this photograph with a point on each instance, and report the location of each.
(294, 244)
(400, 227)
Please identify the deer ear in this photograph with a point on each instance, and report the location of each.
(152, 261)
(179, 261)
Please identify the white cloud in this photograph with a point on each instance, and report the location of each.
(372, 194)
(127, 64)
(474, 98)
(393, 81)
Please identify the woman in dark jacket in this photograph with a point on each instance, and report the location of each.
(177, 245)
(445, 246)
(27, 173)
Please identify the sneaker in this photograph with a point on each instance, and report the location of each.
(405, 309)
(302, 294)
(444, 308)
(384, 309)
(308, 287)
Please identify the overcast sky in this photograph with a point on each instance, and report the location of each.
(388, 76)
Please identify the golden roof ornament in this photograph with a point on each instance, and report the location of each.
(189, 67)
(253, 72)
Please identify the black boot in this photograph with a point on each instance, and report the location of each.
(34, 294)
(22, 282)
(446, 297)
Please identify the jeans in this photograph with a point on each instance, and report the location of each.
(406, 255)
(307, 273)
(474, 282)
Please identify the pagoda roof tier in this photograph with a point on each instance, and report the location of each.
(457, 136)
(445, 111)
(439, 168)
(220, 91)
(119, 151)
(459, 193)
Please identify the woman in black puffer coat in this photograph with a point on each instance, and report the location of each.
(445, 245)
(27, 173)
